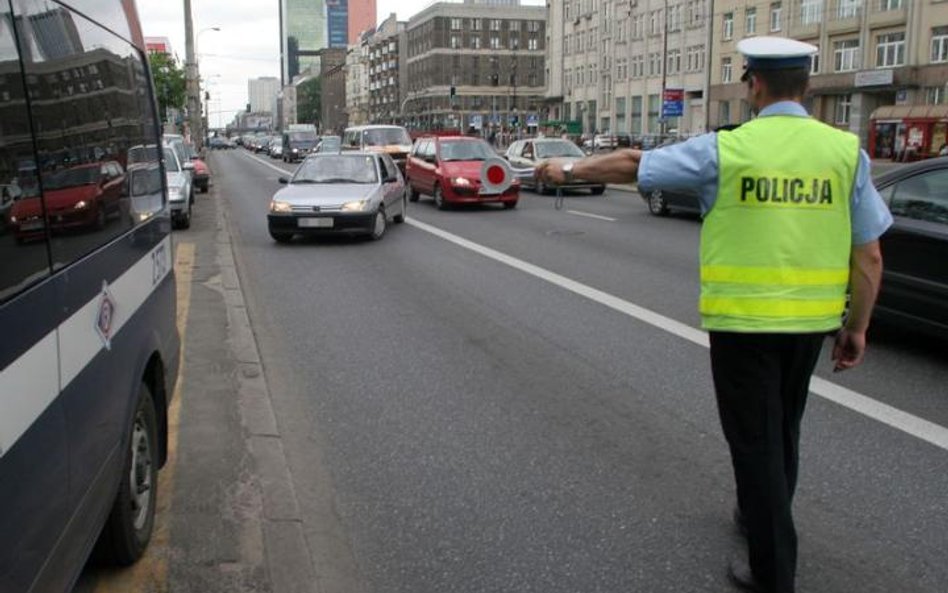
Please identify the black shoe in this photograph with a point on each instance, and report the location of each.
(739, 522)
(740, 575)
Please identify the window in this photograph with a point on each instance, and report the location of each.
(815, 62)
(811, 11)
(750, 21)
(776, 16)
(724, 113)
(674, 61)
(476, 42)
(654, 64)
(654, 22)
(890, 50)
(477, 25)
(495, 42)
(728, 30)
(495, 25)
(638, 66)
(935, 95)
(848, 9)
(694, 12)
(635, 116)
(514, 42)
(654, 104)
(940, 44)
(533, 26)
(620, 114)
(844, 105)
(725, 70)
(532, 44)
(638, 26)
(455, 24)
(922, 197)
(514, 26)
(455, 42)
(887, 5)
(846, 55)
(674, 17)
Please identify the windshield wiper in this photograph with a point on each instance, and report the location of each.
(340, 180)
(304, 181)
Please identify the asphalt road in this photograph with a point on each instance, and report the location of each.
(453, 423)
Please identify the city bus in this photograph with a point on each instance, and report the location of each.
(89, 352)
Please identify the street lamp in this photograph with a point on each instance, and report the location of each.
(194, 91)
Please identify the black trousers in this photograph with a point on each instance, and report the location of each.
(761, 382)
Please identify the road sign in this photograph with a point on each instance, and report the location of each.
(533, 120)
(477, 121)
(673, 103)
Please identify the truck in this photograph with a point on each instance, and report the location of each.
(298, 141)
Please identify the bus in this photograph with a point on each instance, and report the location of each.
(89, 353)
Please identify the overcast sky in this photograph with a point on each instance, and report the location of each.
(247, 46)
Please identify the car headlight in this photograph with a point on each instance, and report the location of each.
(281, 207)
(296, 150)
(354, 206)
(461, 181)
(81, 205)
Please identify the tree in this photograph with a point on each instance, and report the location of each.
(169, 83)
(308, 101)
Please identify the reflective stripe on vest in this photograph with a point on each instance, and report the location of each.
(775, 246)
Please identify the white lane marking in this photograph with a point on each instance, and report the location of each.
(31, 383)
(913, 425)
(266, 164)
(591, 215)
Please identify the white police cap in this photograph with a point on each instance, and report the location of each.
(775, 53)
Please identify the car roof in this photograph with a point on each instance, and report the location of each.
(889, 177)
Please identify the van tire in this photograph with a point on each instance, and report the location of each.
(132, 519)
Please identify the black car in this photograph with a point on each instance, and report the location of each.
(662, 202)
(915, 249)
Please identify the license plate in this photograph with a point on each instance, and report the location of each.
(315, 223)
(32, 226)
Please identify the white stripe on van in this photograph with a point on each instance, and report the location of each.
(31, 383)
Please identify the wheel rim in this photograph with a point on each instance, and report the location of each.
(379, 223)
(656, 202)
(438, 198)
(140, 474)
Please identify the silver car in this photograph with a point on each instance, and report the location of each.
(353, 193)
(180, 190)
(528, 153)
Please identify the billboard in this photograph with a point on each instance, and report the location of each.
(673, 103)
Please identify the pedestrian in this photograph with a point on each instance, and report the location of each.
(791, 220)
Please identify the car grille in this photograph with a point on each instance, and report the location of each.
(312, 209)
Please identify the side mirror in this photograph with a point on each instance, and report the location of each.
(283, 180)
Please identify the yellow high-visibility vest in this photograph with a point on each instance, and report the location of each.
(775, 246)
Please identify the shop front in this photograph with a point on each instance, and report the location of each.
(908, 132)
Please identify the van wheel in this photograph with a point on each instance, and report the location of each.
(128, 529)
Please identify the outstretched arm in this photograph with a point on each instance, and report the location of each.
(619, 166)
(865, 278)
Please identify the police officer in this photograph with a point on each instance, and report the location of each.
(791, 220)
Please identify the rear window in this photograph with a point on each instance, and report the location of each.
(385, 136)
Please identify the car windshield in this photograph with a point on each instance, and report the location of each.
(144, 181)
(337, 169)
(276, 142)
(557, 148)
(385, 136)
(330, 144)
(302, 137)
(71, 178)
(142, 154)
(466, 150)
(171, 163)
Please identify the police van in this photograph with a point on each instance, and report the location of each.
(89, 350)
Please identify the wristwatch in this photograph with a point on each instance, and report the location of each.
(568, 172)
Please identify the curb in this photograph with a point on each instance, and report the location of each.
(288, 558)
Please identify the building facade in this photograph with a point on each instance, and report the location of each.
(612, 61)
(332, 86)
(362, 14)
(262, 92)
(875, 57)
(386, 71)
(303, 32)
(357, 82)
(475, 66)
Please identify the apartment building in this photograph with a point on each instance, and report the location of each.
(610, 60)
(475, 65)
(357, 81)
(881, 63)
(385, 71)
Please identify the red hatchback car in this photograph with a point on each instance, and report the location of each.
(449, 170)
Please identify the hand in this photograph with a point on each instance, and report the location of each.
(551, 171)
(849, 349)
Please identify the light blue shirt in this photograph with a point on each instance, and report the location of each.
(693, 165)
